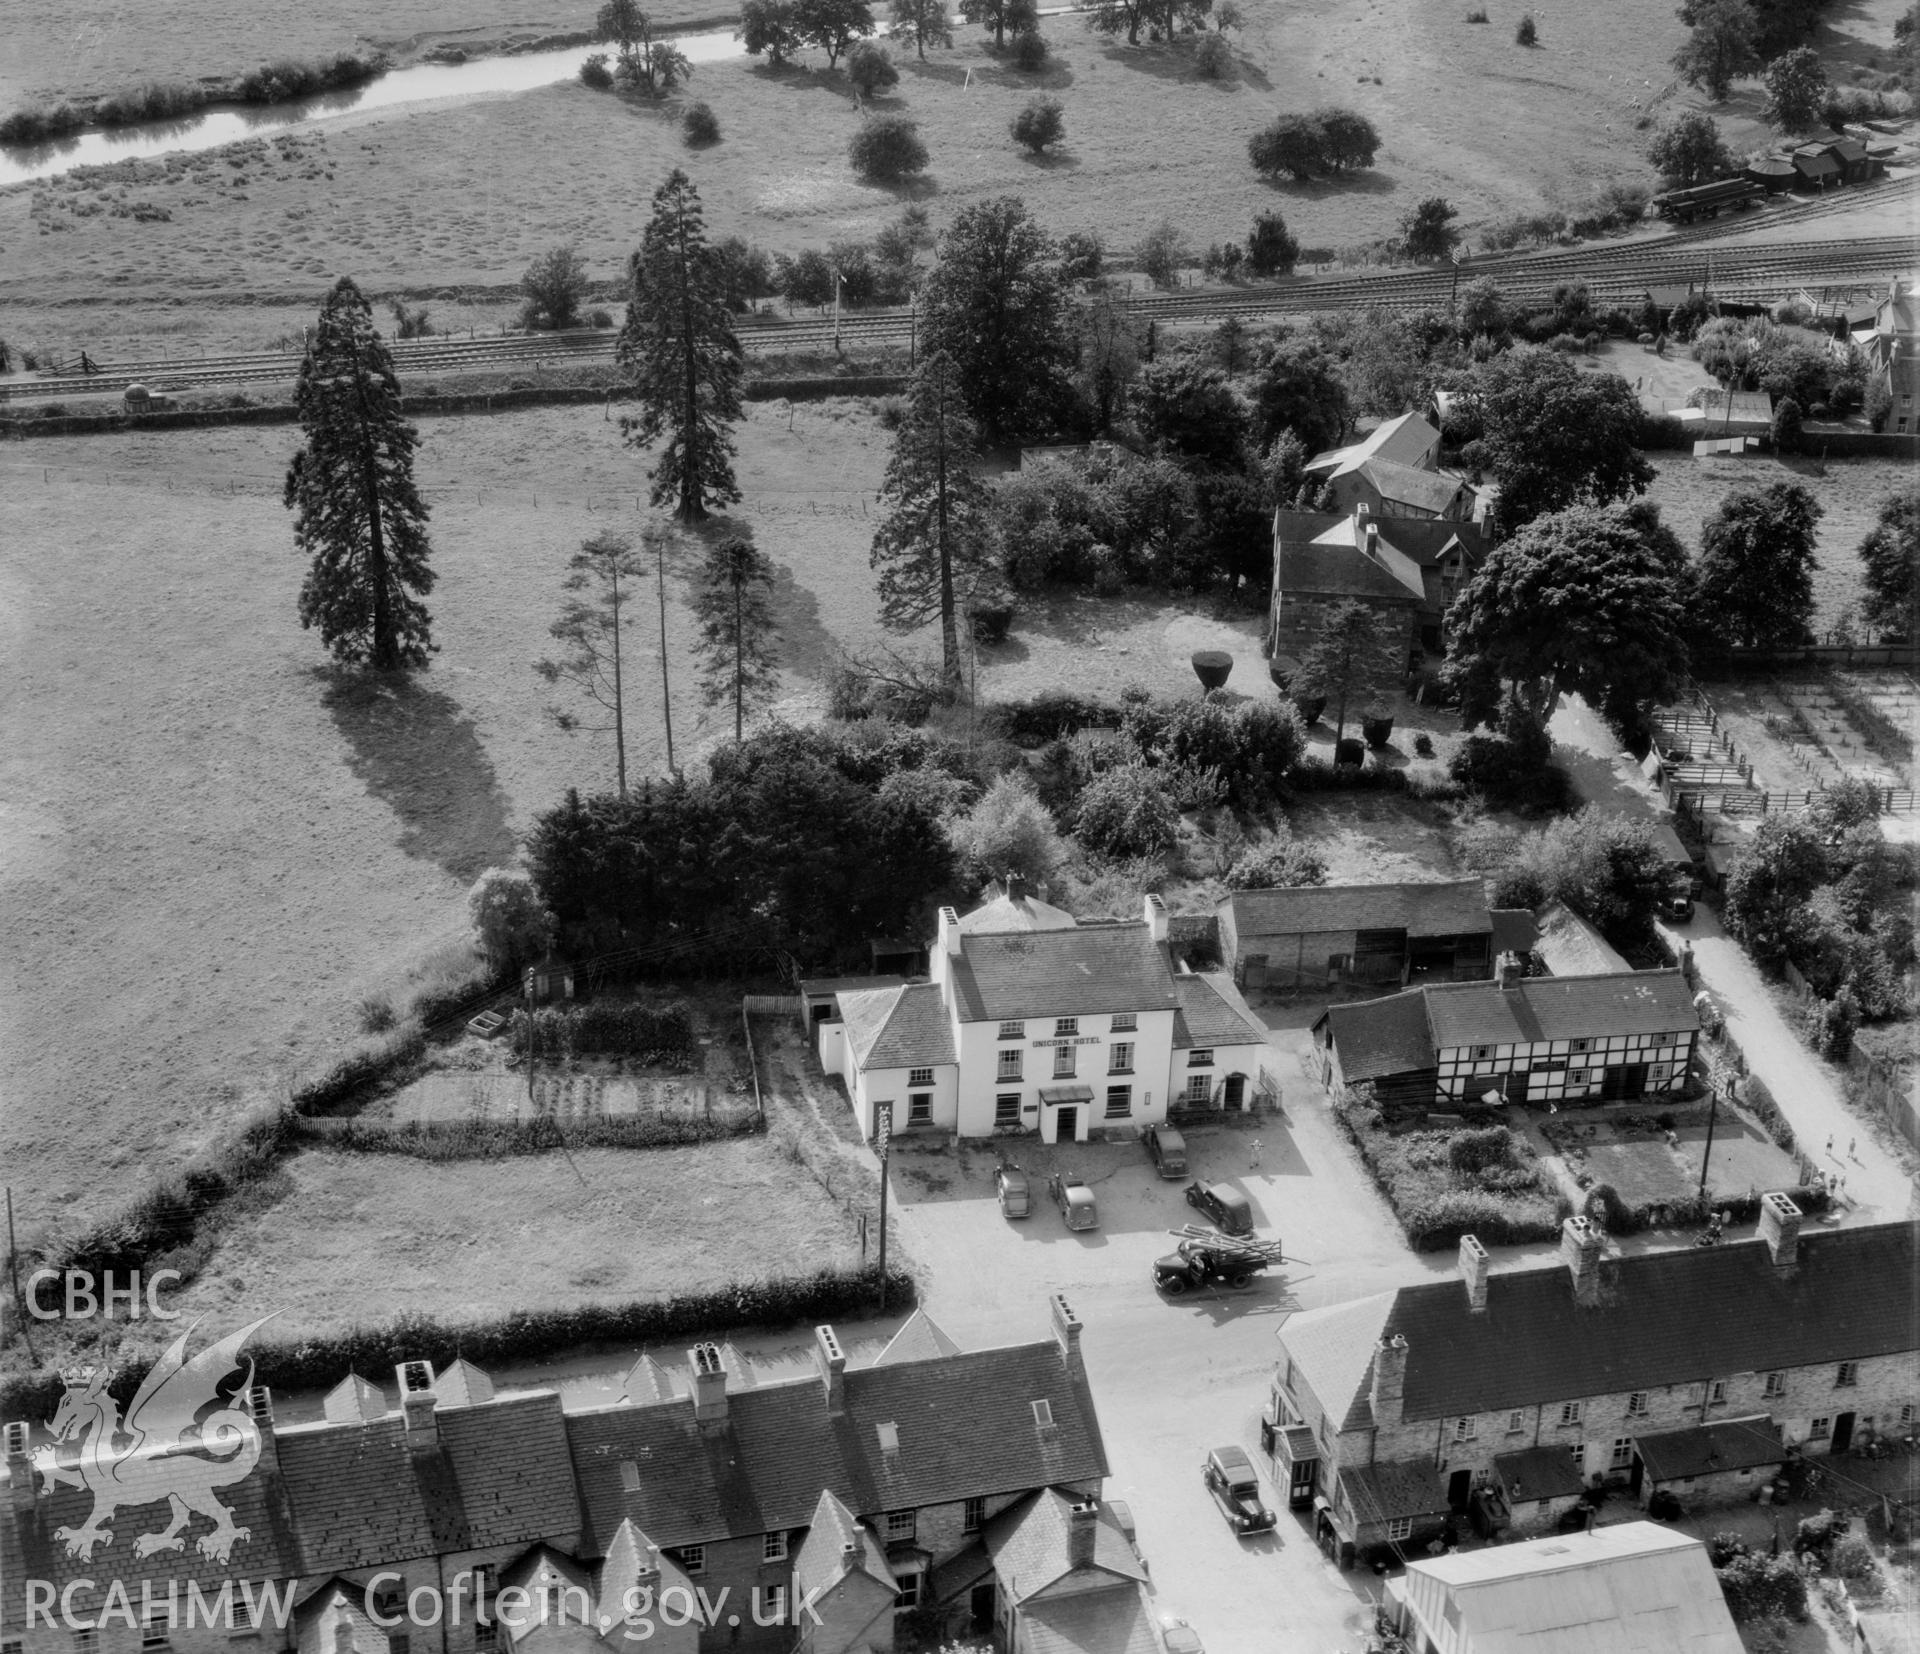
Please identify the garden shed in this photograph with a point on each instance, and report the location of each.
(1719, 1463)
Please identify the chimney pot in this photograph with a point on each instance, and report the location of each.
(1083, 1526)
(831, 1362)
(1580, 1245)
(1473, 1271)
(1512, 973)
(1780, 1222)
(1156, 916)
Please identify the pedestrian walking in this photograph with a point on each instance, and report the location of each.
(1829, 1142)
(1851, 1143)
(1255, 1146)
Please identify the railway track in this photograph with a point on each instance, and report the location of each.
(1615, 274)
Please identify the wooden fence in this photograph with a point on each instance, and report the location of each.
(1888, 1088)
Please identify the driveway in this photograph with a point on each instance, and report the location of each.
(1842, 1142)
(1173, 1378)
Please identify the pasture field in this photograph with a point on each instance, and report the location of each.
(466, 194)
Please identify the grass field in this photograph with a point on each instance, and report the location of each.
(1689, 490)
(468, 193)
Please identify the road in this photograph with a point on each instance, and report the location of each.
(1879, 1187)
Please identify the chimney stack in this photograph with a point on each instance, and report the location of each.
(1156, 914)
(946, 946)
(1016, 887)
(1473, 1270)
(1780, 1223)
(1580, 1245)
(260, 1408)
(709, 1384)
(1512, 973)
(1373, 540)
(1083, 1523)
(1066, 1328)
(19, 1471)
(1389, 1381)
(831, 1360)
(417, 1404)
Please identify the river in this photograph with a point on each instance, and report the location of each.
(424, 83)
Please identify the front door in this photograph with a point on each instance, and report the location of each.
(1842, 1432)
(1624, 1083)
(1236, 1091)
(1459, 1486)
(1066, 1125)
(980, 1608)
(1301, 1485)
(1636, 1476)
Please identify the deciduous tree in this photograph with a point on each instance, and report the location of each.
(1890, 564)
(887, 148)
(924, 22)
(1797, 90)
(1584, 600)
(1272, 249)
(592, 625)
(1004, 17)
(833, 25)
(1755, 575)
(1291, 144)
(554, 284)
(1041, 122)
(1426, 229)
(738, 641)
(1356, 660)
(995, 305)
(357, 513)
(870, 67)
(510, 924)
(1556, 437)
(1008, 831)
(1188, 411)
(936, 536)
(1772, 877)
(773, 27)
(1109, 359)
(686, 362)
(1297, 387)
(1688, 150)
(1719, 48)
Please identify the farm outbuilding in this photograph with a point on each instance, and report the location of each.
(1773, 173)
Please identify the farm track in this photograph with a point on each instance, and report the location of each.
(1614, 273)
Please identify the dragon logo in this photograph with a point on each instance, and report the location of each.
(187, 1432)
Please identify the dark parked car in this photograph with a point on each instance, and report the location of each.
(1235, 1487)
(1167, 1149)
(1224, 1206)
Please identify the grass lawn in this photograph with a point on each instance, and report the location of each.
(458, 195)
(1849, 491)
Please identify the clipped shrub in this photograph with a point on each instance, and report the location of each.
(1423, 745)
(700, 126)
(1212, 667)
(1029, 51)
(887, 149)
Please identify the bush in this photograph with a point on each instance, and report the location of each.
(1762, 1588)
(155, 101)
(1161, 254)
(887, 149)
(554, 283)
(1040, 123)
(1282, 863)
(606, 1027)
(1513, 771)
(362, 1066)
(1722, 1548)
(1212, 57)
(595, 73)
(870, 67)
(1528, 33)
(39, 126)
(1786, 426)
(509, 924)
(299, 78)
(700, 126)
(1029, 51)
(1008, 831)
(1125, 813)
(1082, 255)
(1052, 714)
(1272, 249)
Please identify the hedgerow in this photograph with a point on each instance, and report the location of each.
(606, 1027)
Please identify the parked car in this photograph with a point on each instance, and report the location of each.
(1011, 1189)
(1075, 1200)
(1178, 1636)
(1224, 1206)
(1235, 1486)
(1677, 905)
(1167, 1149)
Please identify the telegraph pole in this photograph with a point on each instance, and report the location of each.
(1713, 1110)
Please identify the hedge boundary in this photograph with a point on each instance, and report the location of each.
(499, 1139)
(522, 1335)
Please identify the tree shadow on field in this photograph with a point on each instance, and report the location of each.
(953, 74)
(1365, 181)
(1058, 160)
(417, 751)
(1154, 58)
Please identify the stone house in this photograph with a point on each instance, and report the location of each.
(1533, 1040)
(1794, 1343)
(1322, 935)
(1060, 1029)
(464, 1521)
(1393, 471)
(1406, 570)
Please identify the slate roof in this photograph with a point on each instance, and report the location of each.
(1001, 912)
(1425, 490)
(1213, 1013)
(919, 1339)
(1339, 571)
(1094, 1622)
(1514, 929)
(1403, 440)
(1085, 971)
(1569, 946)
(1454, 907)
(1538, 1473)
(837, 1545)
(1559, 1007)
(1376, 1038)
(1664, 1318)
(899, 1027)
(1380, 1492)
(965, 1423)
(1423, 540)
(1028, 1544)
(1702, 1450)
